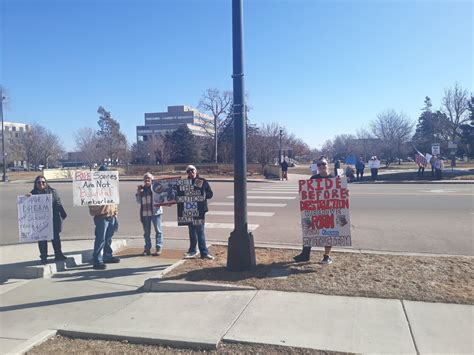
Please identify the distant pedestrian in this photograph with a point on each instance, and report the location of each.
(106, 223)
(149, 215)
(438, 167)
(350, 173)
(314, 167)
(374, 165)
(360, 166)
(196, 231)
(41, 186)
(420, 160)
(323, 173)
(284, 170)
(337, 166)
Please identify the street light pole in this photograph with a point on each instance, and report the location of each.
(4, 154)
(279, 154)
(241, 250)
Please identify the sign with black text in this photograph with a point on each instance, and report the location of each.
(95, 188)
(189, 195)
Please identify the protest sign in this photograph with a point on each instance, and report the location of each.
(189, 195)
(94, 188)
(165, 191)
(324, 207)
(35, 217)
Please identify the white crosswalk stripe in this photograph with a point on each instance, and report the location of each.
(250, 204)
(269, 197)
(251, 227)
(231, 213)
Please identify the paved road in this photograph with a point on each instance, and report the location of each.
(435, 218)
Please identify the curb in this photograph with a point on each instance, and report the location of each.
(36, 340)
(158, 285)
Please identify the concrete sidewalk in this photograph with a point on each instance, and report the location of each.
(113, 304)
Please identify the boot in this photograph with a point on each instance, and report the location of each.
(304, 256)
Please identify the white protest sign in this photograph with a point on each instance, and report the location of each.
(324, 207)
(95, 188)
(35, 217)
(435, 149)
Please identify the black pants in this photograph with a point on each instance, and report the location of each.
(360, 174)
(43, 247)
(374, 172)
(421, 170)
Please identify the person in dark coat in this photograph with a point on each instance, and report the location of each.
(41, 186)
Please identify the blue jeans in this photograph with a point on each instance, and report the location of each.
(104, 231)
(147, 222)
(196, 236)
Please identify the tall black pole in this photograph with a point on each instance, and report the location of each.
(241, 251)
(4, 177)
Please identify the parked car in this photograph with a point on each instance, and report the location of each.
(18, 168)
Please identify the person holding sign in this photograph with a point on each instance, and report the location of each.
(105, 220)
(196, 228)
(323, 173)
(41, 186)
(149, 214)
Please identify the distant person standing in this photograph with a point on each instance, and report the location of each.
(306, 252)
(284, 170)
(314, 167)
(374, 165)
(337, 166)
(149, 215)
(360, 166)
(438, 167)
(41, 186)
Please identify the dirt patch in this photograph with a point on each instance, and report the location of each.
(63, 345)
(415, 278)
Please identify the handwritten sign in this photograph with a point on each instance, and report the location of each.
(165, 191)
(35, 217)
(95, 188)
(324, 207)
(189, 195)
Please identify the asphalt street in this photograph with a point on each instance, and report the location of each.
(423, 218)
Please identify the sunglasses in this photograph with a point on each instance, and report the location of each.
(321, 164)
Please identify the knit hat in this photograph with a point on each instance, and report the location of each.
(191, 167)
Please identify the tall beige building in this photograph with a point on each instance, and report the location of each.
(14, 147)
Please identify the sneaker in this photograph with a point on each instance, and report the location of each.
(191, 255)
(61, 257)
(326, 260)
(44, 261)
(158, 251)
(208, 257)
(100, 266)
(112, 260)
(301, 257)
(146, 252)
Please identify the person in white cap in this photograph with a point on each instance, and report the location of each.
(196, 231)
(323, 173)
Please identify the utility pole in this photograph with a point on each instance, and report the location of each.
(241, 249)
(279, 152)
(4, 154)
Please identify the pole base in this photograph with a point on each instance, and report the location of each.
(240, 251)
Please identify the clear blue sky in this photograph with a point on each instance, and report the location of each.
(318, 68)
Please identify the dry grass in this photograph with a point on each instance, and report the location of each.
(416, 278)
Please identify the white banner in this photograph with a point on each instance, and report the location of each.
(35, 217)
(324, 207)
(94, 188)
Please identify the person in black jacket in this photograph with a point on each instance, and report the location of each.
(305, 254)
(41, 186)
(196, 231)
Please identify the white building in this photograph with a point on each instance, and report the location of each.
(13, 142)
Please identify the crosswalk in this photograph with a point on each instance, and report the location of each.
(265, 201)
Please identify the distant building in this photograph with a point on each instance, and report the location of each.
(163, 122)
(14, 147)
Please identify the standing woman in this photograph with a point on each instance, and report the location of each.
(149, 215)
(41, 186)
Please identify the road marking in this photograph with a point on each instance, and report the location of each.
(272, 192)
(231, 213)
(251, 227)
(438, 191)
(249, 204)
(269, 197)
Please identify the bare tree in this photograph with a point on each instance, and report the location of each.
(41, 145)
(216, 104)
(394, 130)
(264, 143)
(87, 143)
(455, 106)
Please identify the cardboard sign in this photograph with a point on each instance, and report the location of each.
(324, 207)
(188, 197)
(95, 188)
(165, 191)
(35, 217)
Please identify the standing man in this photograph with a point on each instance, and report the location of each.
(105, 220)
(284, 170)
(196, 231)
(149, 215)
(360, 166)
(306, 252)
(337, 165)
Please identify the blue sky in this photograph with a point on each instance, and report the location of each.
(318, 68)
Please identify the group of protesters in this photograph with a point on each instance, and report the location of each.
(106, 221)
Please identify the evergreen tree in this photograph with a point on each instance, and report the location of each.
(467, 135)
(111, 140)
(183, 146)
